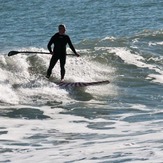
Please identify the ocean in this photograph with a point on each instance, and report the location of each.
(118, 40)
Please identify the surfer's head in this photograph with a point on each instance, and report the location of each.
(62, 28)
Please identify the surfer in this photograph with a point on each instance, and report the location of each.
(60, 40)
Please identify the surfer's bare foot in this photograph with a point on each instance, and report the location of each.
(47, 76)
(62, 80)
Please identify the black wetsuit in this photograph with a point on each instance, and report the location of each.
(59, 52)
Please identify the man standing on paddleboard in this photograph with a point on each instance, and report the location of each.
(60, 40)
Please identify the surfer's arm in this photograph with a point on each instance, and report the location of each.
(50, 44)
(72, 47)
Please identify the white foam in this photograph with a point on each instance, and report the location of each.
(155, 43)
(67, 137)
(129, 57)
(8, 95)
(156, 78)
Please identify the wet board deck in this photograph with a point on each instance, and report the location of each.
(82, 84)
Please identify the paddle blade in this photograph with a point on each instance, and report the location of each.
(12, 53)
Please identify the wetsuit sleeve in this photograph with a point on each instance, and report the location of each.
(50, 44)
(71, 45)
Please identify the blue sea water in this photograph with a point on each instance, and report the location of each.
(118, 40)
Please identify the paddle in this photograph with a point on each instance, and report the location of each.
(11, 53)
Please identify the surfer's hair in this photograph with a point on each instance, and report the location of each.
(61, 26)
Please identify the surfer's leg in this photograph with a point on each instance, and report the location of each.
(62, 65)
(53, 61)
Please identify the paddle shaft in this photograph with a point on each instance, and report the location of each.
(11, 53)
(33, 52)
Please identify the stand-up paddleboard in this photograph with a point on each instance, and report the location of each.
(82, 84)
